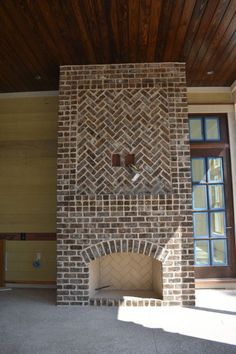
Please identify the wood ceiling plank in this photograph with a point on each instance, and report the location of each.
(12, 54)
(230, 71)
(29, 25)
(64, 31)
(82, 31)
(11, 67)
(122, 9)
(51, 30)
(228, 58)
(172, 29)
(133, 25)
(144, 19)
(227, 51)
(193, 28)
(165, 17)
(38, 35)
(153, 30)
(5, 76)
(182, 29)
(209, 30)
(76, 35)
(221, 38)
(88, 15)
(28, 56)
(103, 25)
(114, 30)
(212, 80)
(18, 35)
(204, 26)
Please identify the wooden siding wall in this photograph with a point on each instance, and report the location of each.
(28, 135)
(209, 97)
(20, 256)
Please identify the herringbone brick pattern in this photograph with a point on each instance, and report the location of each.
(126, 271)
(123, 121)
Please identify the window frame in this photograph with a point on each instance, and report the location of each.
(203, 119)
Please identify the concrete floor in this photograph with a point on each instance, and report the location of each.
(30, 323)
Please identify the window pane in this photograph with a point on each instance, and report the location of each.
(198, 170)
(195, 129)
(215, 173)
(200, 224)
(217, 224)
(219, 252)
(199, 197)
(212, 130)
(201, 252)
(216, 196)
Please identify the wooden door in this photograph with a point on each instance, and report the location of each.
(213, 220)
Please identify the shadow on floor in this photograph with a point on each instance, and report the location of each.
(30, 324)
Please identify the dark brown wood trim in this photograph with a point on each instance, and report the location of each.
(39, 236)
(204, 146)
(2, 275)
(28, 236)
(50, 282)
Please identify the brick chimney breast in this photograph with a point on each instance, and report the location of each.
(108, 206)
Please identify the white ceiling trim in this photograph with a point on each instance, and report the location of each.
(209, 89)
(233, 86)
(211, 108)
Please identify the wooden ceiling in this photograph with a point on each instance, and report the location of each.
(39, 35)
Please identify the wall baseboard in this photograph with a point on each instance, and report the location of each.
(35, 285)
(46, 236)
(216, 283)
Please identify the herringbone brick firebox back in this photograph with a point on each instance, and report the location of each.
(128, 223)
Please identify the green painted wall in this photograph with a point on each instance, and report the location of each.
(20, 256)
(28, 136)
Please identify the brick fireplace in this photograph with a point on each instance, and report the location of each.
(124, 220)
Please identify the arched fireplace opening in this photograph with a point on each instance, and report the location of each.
(122, 270)
(120, 275)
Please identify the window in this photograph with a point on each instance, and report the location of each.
(204, 129)
(209, 211)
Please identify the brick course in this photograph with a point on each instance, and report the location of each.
(125, 108)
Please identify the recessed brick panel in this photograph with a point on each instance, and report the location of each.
(123, 121)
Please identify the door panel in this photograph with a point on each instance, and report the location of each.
(214, 241)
